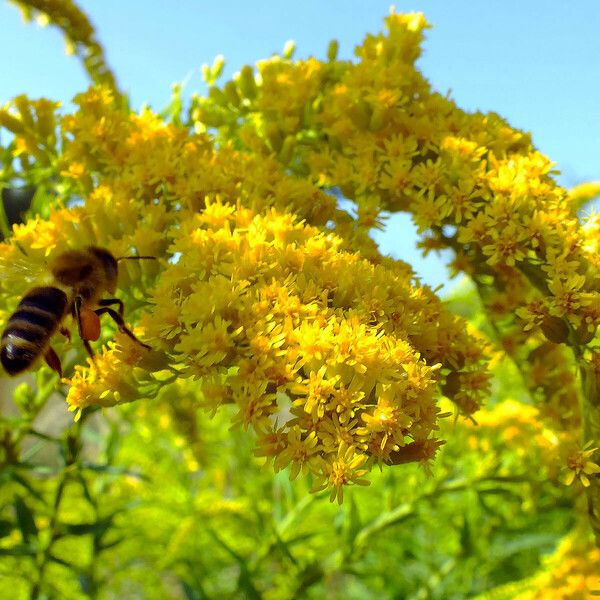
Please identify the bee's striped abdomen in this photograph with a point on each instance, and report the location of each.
(30, 328)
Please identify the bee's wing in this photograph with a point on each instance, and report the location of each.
(17, 272)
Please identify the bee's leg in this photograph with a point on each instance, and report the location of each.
(64, 331)
(118, 319)
(77, 311)
(110, 302)
(53, 361)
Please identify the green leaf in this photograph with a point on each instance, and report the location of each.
(113, 442)
(244, 579)
(19, 550)
(85, 583)
(109, 545)
(313, 573)
(466, 538)
(86, 490)
(11, 473)
(112, 470)
(384, 521)
(542, 542)
(99, 527)
(25, 520)
(297, 539)
(192, 593)
(61, 561)
(6, 527)
(284, 548)
(298, 512)
(43, 199)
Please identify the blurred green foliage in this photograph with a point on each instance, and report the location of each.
(157, 500)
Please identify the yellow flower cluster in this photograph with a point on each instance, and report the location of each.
(334, 360)
(34, 124)
(390, 143)
(516, 424)
(522, 428)
(318, 348)
(376, 132)
(329, 358)
(160, 164)
(571, 573)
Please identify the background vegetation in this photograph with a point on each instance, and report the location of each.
(157, 494)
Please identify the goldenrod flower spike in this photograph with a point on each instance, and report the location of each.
(308, 339)
(375, 130)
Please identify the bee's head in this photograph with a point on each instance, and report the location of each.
(110, 266)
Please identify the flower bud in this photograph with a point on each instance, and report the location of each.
(585, 333)
(231, 92)
(332, 50)
(555, 329)
(289, 49)
(287, 149)
(246, 82)
(24, 397)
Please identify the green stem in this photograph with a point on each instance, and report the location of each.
(590, 413)
(480, 290)
(44, 557)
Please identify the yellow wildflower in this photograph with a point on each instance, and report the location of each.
(347, 469)
(579, 466)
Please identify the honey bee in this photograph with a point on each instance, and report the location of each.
(79, 280)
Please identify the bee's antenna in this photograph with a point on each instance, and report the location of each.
(136, 258)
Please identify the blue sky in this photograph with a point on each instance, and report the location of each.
(535, 62)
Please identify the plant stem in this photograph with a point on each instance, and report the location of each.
(72, 447)
(590, 413)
